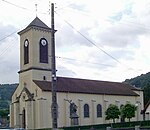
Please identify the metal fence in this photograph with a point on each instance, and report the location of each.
(144, 125)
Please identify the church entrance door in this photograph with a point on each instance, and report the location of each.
(24, 118)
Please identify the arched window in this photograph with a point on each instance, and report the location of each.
(99, 110)
(26, 51)
(86, 110)
(43, 50)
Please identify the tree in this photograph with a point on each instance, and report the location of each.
(4, 113)
(4, 104)
(128, 111)
(112, 112)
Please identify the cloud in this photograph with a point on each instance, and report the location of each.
(8, 72)
(72, 36)
(65, 72)
(121, 29)
(6, 31)
(9, 54)
(119, 36)
(78, 6)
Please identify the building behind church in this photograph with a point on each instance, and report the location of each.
(32, 99)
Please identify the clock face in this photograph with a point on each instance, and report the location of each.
(26, 43)
(43, 41)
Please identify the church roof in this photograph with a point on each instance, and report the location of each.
(38, 23)
(73, 85)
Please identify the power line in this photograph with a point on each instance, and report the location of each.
(130, 23)
(21, 7)
(6, 49)
(5, 37)
(8, 35)
(81, 12)
(18, 6)
(58, 57)
(90, 41)
(64, 6)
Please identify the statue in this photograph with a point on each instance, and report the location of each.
(73, 108)
(73, 113)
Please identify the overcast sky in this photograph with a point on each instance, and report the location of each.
(96, 39)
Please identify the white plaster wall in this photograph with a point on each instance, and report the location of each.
(43, 102)
(147, 115)
(34, 36)
(92, 100)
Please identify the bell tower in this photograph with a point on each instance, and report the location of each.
(35, 48)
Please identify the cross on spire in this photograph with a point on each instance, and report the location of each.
(36, 9)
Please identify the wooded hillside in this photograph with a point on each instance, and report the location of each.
(139, 81)
(143, 82)
(6, 91)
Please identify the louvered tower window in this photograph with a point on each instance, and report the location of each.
(43, 51)
(26, 51)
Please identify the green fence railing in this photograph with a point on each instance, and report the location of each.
(113, 125)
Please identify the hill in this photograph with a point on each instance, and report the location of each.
(139, 81)
(143, 82)
(6, 91)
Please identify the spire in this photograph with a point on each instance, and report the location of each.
(38, 23)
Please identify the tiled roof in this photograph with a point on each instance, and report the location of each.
(133, 87)
(73, 85)
(38, 23)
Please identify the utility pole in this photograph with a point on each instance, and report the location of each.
(54, 106)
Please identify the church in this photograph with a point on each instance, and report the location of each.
(31, 101)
